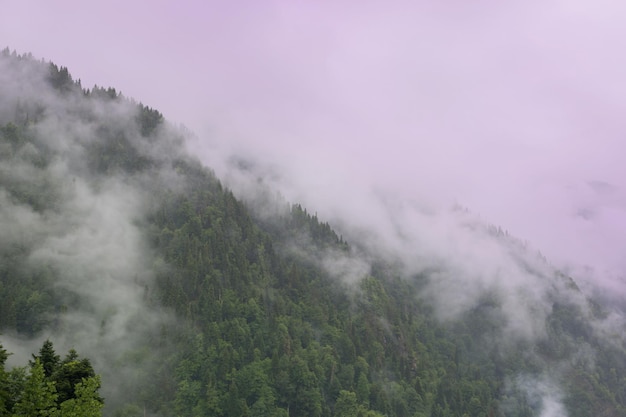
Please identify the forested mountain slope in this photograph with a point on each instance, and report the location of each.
(189, 303)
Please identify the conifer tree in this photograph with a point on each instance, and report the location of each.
(72, 371)
(39, 396)
(87, 402)
(48, 358)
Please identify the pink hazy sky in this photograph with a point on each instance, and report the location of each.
(513, 109)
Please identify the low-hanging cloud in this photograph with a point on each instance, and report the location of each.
(81, 231)
(542, 395)
(511, 110)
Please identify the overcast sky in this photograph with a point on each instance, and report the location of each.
(514, 109)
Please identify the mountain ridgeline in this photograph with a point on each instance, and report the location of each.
(188, 302)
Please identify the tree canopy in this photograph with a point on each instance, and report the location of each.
(45, 389)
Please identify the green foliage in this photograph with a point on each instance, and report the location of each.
(36, 393)
(48, 358)
(148, 119)
(85, 402)
(70, 373)
(60, 79)
(346, 404)
(38, 397)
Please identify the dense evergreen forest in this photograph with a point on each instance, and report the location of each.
(188, 302)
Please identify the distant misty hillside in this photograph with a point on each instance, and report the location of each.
(192, 301)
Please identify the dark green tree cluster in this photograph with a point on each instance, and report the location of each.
(301, 228)
(273, 334)
(50, 387)
(60, 79)
(148, 119)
